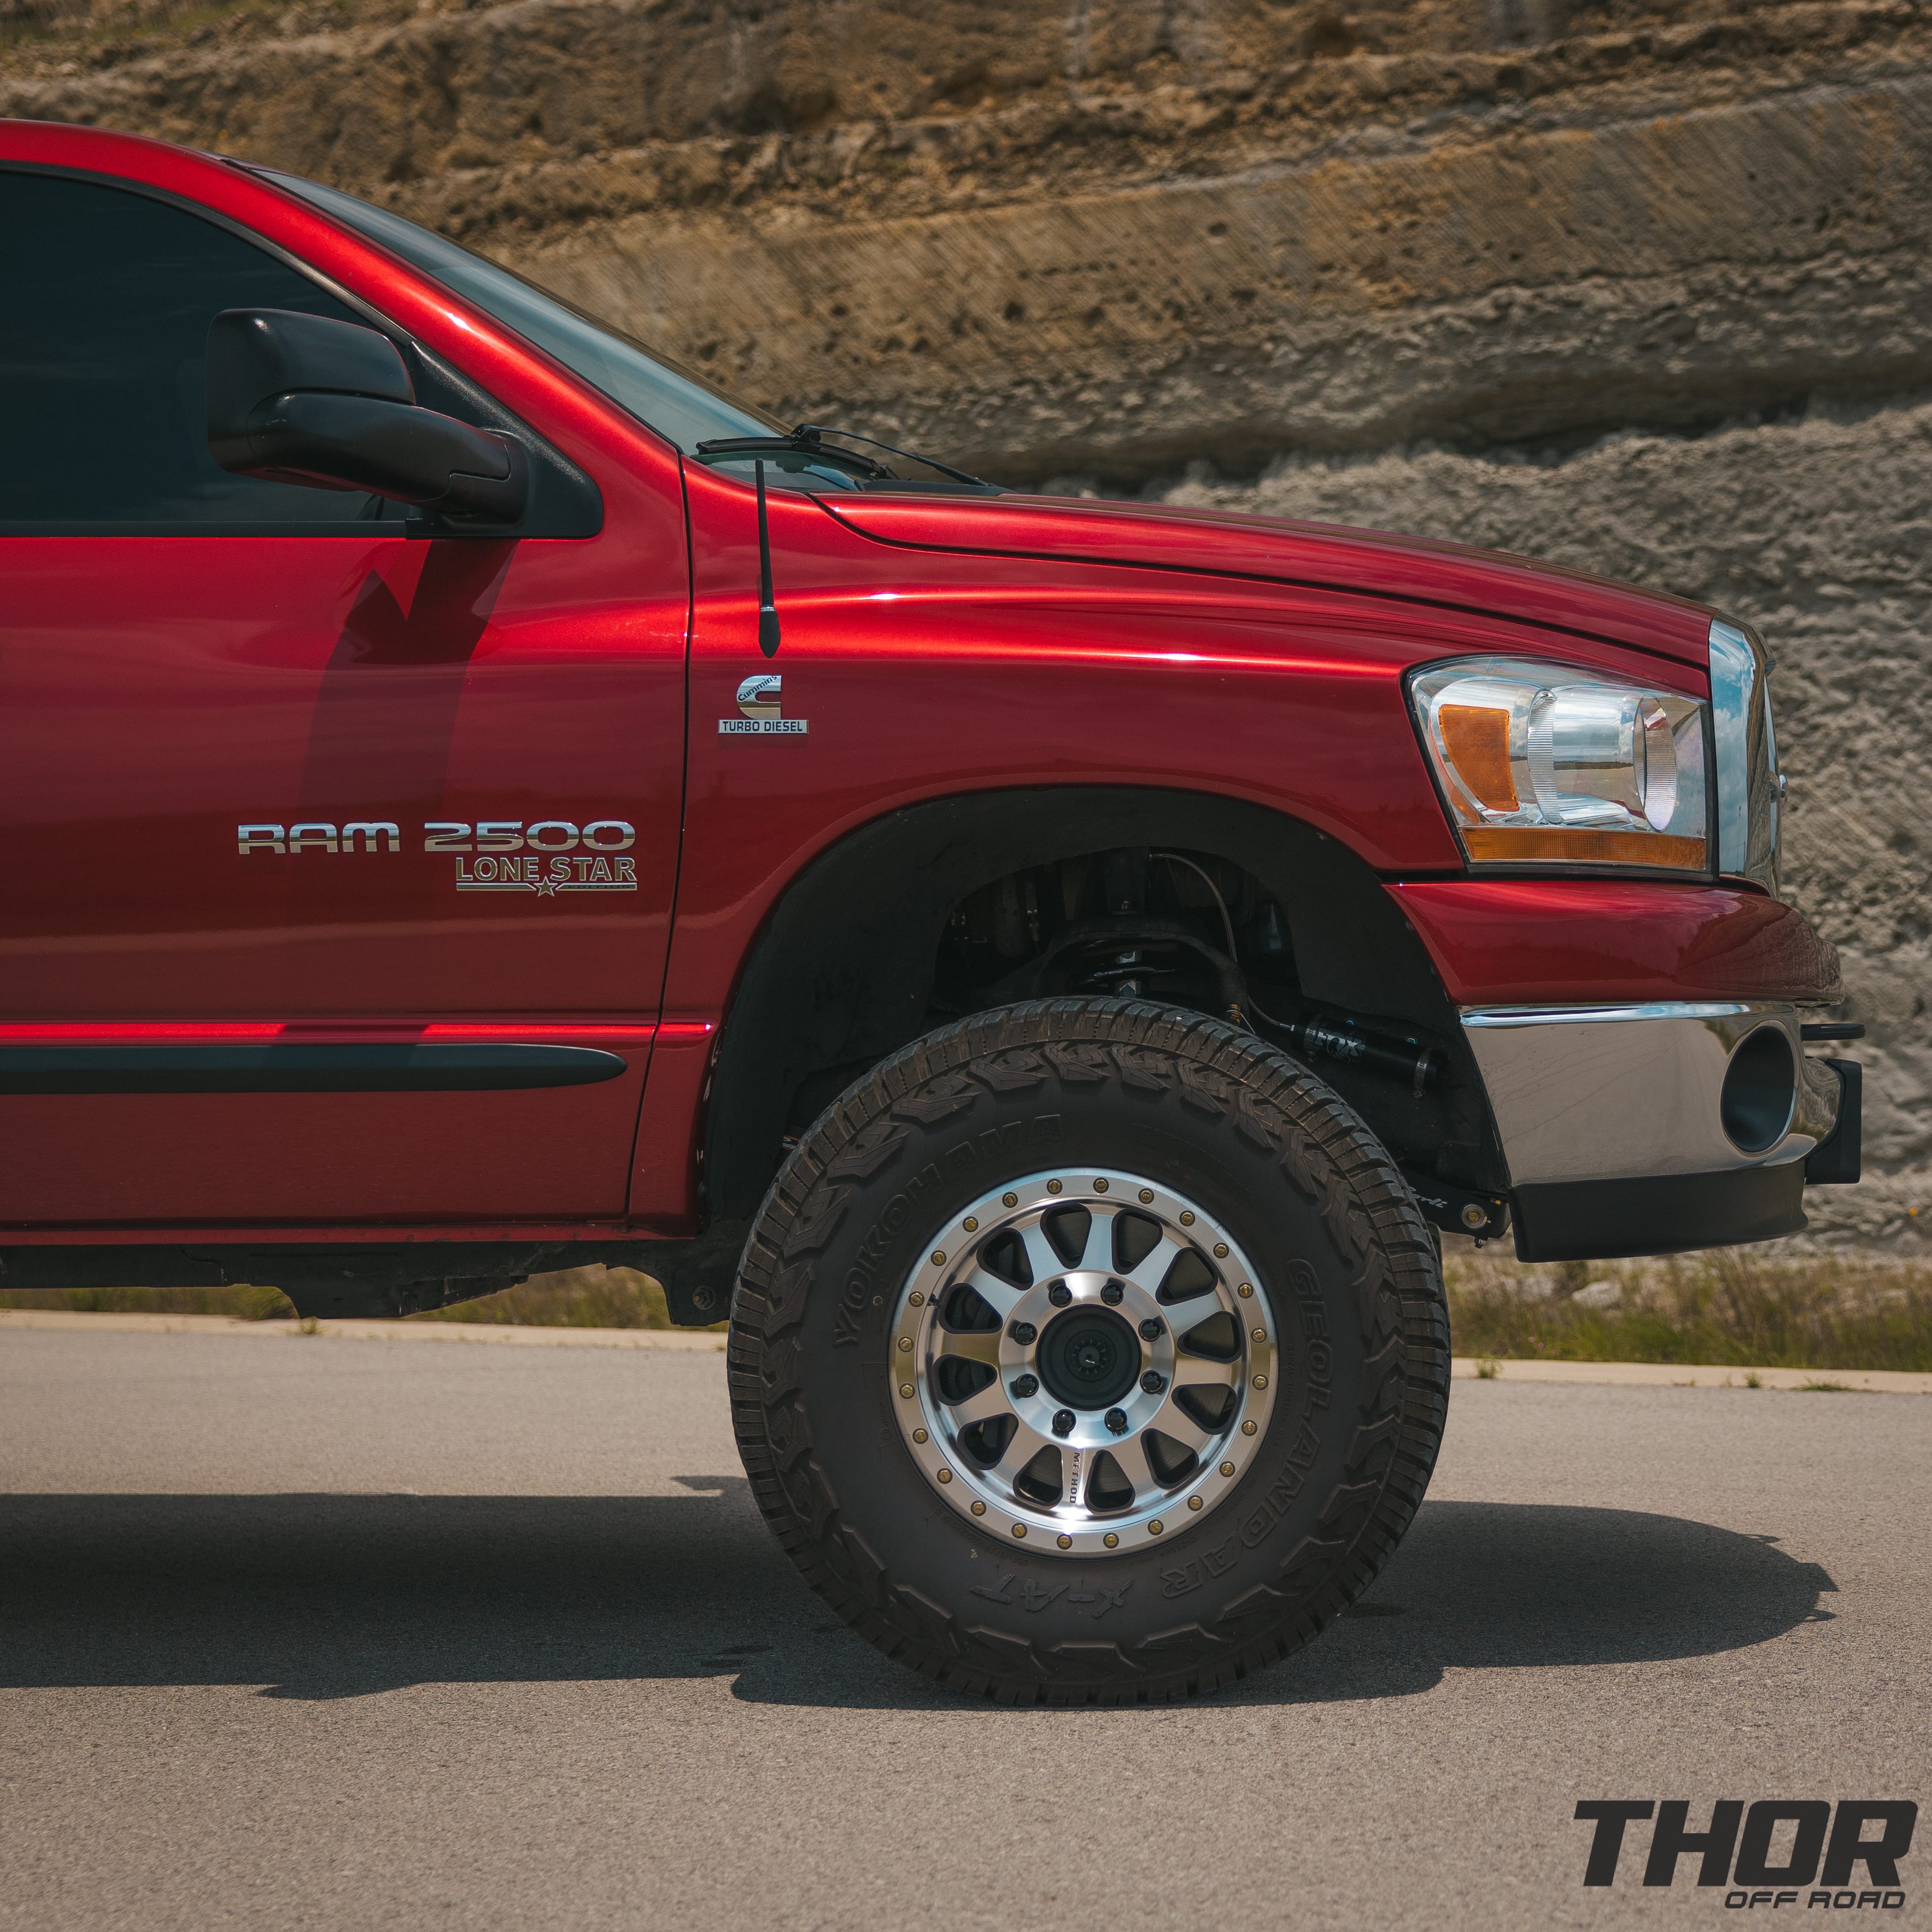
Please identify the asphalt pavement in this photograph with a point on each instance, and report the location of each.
(320, 1632)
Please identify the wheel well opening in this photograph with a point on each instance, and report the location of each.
(1191, 928)
(1203, 903)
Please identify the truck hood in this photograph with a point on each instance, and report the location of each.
(1325, 556)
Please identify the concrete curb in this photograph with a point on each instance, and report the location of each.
(1676, 1374)
(500, 1335)
(1651, 1375)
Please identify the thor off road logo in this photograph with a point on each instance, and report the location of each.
(1780, 1846)
(547, 856)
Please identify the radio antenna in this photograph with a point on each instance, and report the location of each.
(768, 611)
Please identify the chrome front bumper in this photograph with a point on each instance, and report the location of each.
(1645, 1129)
(1599, 1093)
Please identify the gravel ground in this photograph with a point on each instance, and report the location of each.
(338, 1632)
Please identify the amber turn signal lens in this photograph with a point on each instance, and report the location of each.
(1536, 844)
(1476, 740)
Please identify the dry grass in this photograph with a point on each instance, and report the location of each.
(592, 1298)
(245, 1303)
(1731, 1307)
(588, 1298)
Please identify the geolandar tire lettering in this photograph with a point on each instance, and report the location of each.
(1089, 1351)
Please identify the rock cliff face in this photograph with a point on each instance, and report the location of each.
(1643, 287)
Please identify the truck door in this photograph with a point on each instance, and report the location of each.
(339, 859)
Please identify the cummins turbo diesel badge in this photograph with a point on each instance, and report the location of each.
(546, 856)
(759, 703)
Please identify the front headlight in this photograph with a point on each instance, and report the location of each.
(1543, 764)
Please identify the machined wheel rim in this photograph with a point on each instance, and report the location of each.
(1083, 1362)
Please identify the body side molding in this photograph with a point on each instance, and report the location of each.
(417, 1066)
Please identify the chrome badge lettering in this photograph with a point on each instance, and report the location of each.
(551, 855)
(760, 715)
(547, 877)
(316, 835)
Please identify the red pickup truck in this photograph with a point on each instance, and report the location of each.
(480, 801)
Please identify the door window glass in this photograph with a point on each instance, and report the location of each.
(104, 332)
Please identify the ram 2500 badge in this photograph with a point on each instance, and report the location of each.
(480, 800)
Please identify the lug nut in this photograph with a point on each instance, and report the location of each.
(1117, 1422)
(1151, 1330)
(1060, 1294)
(1024, 1333)
(1063, 1422)
(1153, 1381)
(1111, 1294)
(1026, 1385)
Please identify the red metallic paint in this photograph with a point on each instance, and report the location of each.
(161, 690)
(1499, 942)
(664, 1169)
(325, 1233)
(259, 1160)
(923, 674)
(1325, 556)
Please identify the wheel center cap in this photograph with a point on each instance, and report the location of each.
(1088, 1357)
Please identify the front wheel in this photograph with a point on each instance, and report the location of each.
(1089, 1351)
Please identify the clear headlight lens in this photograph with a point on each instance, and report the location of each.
(1542, 764)
(1749, 785)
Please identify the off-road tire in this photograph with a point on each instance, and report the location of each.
(1341, 1249)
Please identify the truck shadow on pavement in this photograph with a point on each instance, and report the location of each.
(327, 1597)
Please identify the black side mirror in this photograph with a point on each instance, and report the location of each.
(300, 399)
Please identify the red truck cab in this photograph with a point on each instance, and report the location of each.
(482, 801)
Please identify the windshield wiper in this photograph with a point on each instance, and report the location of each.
(849, 459)
(807, 440)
